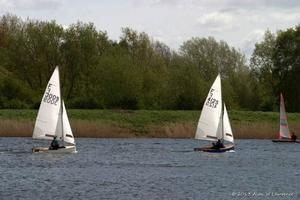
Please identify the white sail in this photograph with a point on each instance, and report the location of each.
(46, 121)
(228, 136)
(284, 128)
(210, 123)
(68, 135)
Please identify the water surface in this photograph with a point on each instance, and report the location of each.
(149, 169)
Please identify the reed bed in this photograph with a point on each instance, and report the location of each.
(94, 129)
(172, 130)
(255, 130)
(16, 128)
(143, 123)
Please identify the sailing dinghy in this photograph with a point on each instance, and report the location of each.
(52, 119)
(214, 123)
(284, 133)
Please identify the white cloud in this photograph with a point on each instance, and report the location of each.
(248, 42)
(5, 4)
(216, 21)
(285, 16)
(229, 4)
(29, 4)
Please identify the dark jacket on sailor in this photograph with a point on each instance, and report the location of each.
(54, 144)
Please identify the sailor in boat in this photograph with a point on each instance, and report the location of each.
(54, 144)
(218, 145)
(293, 137)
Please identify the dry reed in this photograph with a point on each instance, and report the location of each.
(95, 129)
(14, 128)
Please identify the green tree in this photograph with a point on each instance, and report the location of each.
(286, 60)
(82, 48)
(210, 58)
(262, 70)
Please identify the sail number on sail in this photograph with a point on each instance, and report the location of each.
(211, 102)
(50, 98)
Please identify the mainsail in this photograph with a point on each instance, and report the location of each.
(210, 123)
(46, 122)
(284, 128)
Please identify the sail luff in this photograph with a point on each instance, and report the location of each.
(222, 112)
(61, 109)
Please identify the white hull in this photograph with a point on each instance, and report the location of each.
(227, 147)
(67, 149)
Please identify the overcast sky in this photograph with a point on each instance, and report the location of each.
(240, 23)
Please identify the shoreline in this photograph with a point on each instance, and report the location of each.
(94, 129)
(147, 123)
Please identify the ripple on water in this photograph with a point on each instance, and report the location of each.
(146, 169)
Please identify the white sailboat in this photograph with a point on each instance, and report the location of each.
(214, 123)
(284, 132)
(52, 119)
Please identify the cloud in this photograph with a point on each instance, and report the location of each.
(216, 21)
(29, 4)
(249, 41)
(225, 4)
(285, 16)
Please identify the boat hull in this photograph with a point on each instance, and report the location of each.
(67, 149)
(286, 141)
(210, 149)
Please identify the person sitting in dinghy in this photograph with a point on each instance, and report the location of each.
(54, 144)
(293, 136)
(218, 144)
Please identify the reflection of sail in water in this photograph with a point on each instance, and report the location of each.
(52, 119)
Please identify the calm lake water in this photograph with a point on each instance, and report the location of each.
(149, 169)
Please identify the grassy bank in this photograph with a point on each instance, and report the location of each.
(146, 123)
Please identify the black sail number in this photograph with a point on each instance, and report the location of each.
(49, 97)
(212, 102)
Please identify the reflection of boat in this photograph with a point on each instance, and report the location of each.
(66, 149)
(227, 147)
(214, 123)
(286, 140)
(284, 133)
(52, 119)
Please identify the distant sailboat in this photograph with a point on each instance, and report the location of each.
(284, 132)
(52, 119)
(214, 123)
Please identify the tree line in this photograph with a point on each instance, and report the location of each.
(138, 72)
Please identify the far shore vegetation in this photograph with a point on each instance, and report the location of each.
(137, 86)
(138, 72)
(147, 123)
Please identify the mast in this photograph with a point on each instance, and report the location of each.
(61, 110)
(222, 110)
(62, 123)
